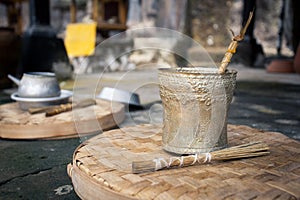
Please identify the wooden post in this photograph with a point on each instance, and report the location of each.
(73, 11)
(122, 12)
(95, 10)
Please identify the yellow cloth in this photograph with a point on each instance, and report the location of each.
(80, 39)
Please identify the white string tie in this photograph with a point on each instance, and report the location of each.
(195, 158)
(162, 163)
(207, 157)
(181, 161)
(158, 163)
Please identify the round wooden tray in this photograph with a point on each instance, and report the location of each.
(101, 168)
(18, 124)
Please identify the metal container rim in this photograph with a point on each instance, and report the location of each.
(196, 71)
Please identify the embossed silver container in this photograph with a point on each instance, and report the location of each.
(196, 103)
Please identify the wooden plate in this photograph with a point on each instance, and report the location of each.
(18, 124)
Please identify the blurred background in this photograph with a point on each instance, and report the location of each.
(33, 33)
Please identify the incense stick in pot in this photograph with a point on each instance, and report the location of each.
(233, 45)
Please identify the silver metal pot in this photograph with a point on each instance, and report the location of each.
(37, 85)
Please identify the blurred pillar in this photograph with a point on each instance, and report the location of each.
(41, 49)
(39, 12)
(134, 13)
(292, 23)
(296, 23)
(249, 52)
(73, 11)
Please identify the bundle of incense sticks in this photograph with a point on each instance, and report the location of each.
(248, 150)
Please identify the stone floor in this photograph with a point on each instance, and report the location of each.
(36, 169)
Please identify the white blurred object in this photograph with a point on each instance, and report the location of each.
(118, 95)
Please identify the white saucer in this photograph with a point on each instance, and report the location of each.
(26, 103)
(63, 95)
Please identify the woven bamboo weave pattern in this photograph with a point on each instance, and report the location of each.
(101, 168)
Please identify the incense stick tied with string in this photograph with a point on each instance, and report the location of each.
(253, 149)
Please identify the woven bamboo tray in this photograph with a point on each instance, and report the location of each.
(18, 124)
(101, 168)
